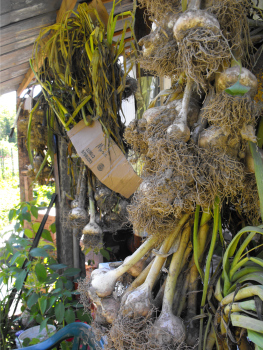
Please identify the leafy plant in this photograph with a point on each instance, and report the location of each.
(45, 287)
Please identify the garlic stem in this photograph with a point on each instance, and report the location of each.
(79, 180)
(186, 99)
(166, 246)
(179, 302)
(139, 302)
(159, 297)
(194, 5)
(193, 281)
(174, 270)
(104, 280)
(92, 209)
(201, 122)
(82, 189)
(140, 279)
(183, 296)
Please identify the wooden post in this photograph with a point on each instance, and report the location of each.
(26, 190)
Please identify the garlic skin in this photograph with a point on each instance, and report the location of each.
(193, 19)
(92, 228)
(78, 214)
(138, 302)
(103, 281)
(74, 204)
(178, 131)
(219, 138)
(167, 328)
(107, 308)
(137, 268)
(152, 113)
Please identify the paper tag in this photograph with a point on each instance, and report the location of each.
(104, 158)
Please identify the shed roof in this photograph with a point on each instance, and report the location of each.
(20, 24)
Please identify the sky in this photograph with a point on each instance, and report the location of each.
(8, 100)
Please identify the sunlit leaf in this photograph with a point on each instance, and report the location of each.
(41, 272)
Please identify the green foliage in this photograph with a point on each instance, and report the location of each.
(43, 193)
(258, 163)
(48, 292)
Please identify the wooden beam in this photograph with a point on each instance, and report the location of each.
(10, 85)
(29, 10)
(119, 32)
(22, 30)
(14, 72)
(15, 58)
(18, 44)
(66, 5)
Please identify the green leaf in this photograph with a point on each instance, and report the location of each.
(26, 342)
(57, 290)
(51, 301)
(43, 324)
(258, 164)
(42, 304)
(32, 300)
(38, 252)
(20, 280)
(47, 236)
(41, 272)
(14, 258)
(71, 272)
(48, 247)
(237, 89)
(84, 317)
(256, 338)
(52, 278)
(69, 285)
(69, 316)
(53, 227)
(57, 266)
(24, 210)
(67, 293)
(231, 251)
(26, 216)
(11, 214)
(29, 233)
(105, 253)
(9, 247)
(34, 211)
(39, 318)
(60, 312)
(59, 284)
(36, 226)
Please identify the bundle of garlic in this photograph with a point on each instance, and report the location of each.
(194, 152)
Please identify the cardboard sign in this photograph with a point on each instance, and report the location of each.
(104, 158)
